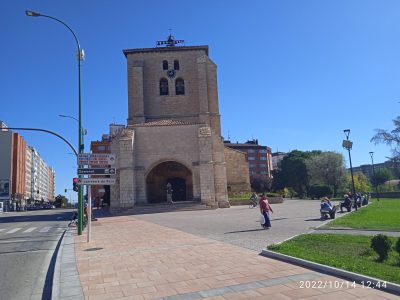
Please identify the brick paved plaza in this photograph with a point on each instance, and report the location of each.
(139, 259)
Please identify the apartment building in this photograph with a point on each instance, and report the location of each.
(24, 175)
(258, 156)
(103, 146)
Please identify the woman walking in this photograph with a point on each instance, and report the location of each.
(265, 208)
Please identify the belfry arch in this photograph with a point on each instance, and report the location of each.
(175, 173)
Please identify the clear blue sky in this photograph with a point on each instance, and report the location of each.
(293, 74)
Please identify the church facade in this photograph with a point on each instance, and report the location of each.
(171, 149)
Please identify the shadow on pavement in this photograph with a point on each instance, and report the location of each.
(316, 219)
(242, 231)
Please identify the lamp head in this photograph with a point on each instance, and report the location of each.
(31, 13)
(347, 133)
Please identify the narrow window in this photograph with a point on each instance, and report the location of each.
(176, 64)
(179, 87)
(165, 65)
(163, 86)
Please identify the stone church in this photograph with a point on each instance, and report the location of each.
(172, 149)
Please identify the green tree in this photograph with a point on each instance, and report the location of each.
(292, 172)
(260, 183)
(60, 201)
(391, 138)
(381, 176)
(326, 168)
(361, 183)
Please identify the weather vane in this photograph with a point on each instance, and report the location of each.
(170, 42)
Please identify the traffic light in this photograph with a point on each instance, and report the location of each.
(75, 184)
(65, 190)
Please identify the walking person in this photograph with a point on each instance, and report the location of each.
(265, 209)
(253, 200)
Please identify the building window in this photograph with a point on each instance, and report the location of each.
(263, 166)
(163, 87)
(263, 158)
(264, 172)
(176, 64)
(101, 148)
(179, 87)
(262, 151)
(252, 165)
(251, 158)
(165, 65)
(251, 151)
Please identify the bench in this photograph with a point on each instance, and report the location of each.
(330, 213)
(348, 207)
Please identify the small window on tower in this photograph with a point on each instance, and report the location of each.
(163, 87)
(179, 87)
(165, 65)
(176, 64)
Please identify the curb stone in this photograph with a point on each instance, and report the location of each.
(353, 277)
(66, 283)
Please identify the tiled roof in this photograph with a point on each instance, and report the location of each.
(163, 123)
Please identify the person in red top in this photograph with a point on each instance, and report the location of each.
(265, 208)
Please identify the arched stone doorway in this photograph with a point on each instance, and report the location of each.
(180, 178)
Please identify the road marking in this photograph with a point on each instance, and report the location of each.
(60, 229)
(2, 229)
(30, 229)
(13, 230)
(45, 229)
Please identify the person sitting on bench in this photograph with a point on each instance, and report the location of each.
(346, 203)
(326, 207)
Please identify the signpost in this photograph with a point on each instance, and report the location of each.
(96, 181)
(94, 160)
(96, 171)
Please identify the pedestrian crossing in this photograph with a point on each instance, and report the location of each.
(32, 229)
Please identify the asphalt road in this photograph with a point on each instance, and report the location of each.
(28, 241)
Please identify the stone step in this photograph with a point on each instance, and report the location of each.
(140, 209)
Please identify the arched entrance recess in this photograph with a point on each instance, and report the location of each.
(172, 172)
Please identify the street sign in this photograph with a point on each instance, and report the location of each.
(96, 159)
(96, 171)
(96, 181)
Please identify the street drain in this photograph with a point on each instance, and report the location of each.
(94, 249)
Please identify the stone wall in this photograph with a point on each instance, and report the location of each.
(122, 194)
(237, 171)
(198, 104)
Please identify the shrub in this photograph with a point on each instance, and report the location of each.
(260, 183)
(397, 246)
(381, 245)
(285, 193)
(273, 195)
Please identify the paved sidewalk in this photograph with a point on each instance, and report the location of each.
(130, 258)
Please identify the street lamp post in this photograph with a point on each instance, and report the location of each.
(84, 131)
(347, 144)
(373, 173)
(80, 57)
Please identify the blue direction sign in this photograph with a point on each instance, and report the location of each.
(96, 171)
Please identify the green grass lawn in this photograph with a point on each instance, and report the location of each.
(347, 252)
(381, 215)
